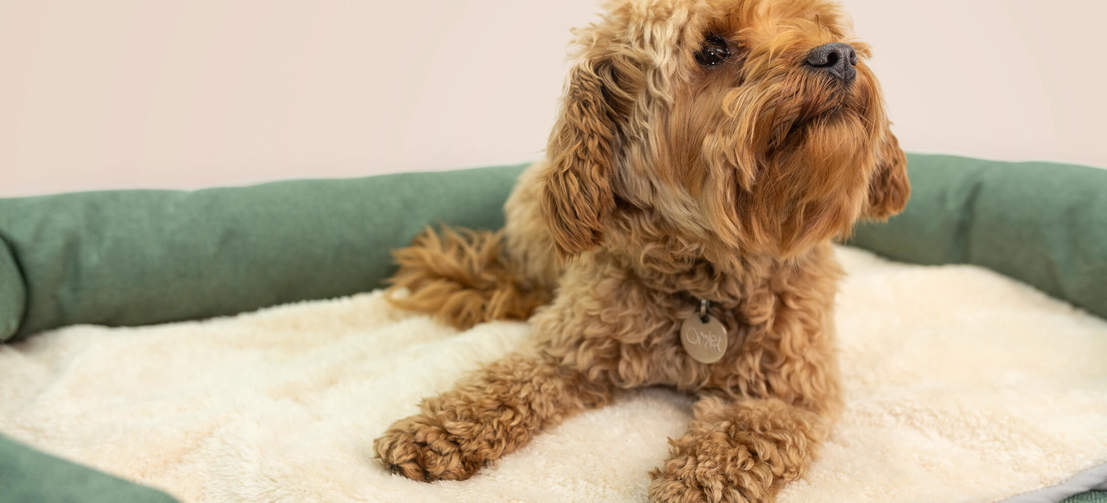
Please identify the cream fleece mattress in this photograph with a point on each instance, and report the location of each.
(960, 384)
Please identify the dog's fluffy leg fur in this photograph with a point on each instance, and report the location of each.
(462, 278)
(740, 451)
(491, 413)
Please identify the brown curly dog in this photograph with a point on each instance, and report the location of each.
(679, 234)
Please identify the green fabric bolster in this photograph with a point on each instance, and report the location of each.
(13, 292)
(1042, 223)
(126, 258)
(141, 257)
(1090, 496)
(27, 475)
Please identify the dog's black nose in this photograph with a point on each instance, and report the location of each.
(837, 59)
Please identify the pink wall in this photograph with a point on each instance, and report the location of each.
(137, 93)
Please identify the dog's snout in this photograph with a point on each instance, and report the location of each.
(837, 59)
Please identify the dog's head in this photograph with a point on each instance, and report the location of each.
(755, 124)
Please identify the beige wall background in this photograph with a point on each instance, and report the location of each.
(142, 93)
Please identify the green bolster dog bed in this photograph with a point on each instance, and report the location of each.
(144, 257)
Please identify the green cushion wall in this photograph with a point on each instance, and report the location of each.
(1042, 223)
(29, 476)
(141, 257)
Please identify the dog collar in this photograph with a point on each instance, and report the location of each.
(703, 336)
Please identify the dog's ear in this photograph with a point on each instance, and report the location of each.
(577, 193)
(889, 188)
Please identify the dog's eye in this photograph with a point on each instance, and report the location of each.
(714, 51)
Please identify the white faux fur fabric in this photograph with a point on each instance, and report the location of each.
(961, 385)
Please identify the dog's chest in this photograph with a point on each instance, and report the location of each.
(618, 325)
(692, 354)
(661, 349)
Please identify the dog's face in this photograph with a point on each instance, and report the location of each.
(755, 124)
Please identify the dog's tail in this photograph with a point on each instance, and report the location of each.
(462, 277)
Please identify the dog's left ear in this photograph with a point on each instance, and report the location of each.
(889, 188)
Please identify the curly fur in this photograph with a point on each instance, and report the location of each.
(667, 182)
(458, 276)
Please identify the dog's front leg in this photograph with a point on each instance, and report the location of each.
(489, 414)
(738, 451)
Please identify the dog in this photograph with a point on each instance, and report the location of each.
(678, 233)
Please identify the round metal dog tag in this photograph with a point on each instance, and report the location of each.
(704, 341)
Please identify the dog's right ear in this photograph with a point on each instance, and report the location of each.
(577, 193)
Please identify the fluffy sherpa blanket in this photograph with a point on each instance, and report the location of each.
(961, 385)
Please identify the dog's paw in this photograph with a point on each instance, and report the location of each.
(683, 481)
(421, 450)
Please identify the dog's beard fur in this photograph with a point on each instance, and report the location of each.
(794, 171)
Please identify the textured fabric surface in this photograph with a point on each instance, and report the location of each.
(29, 476)
(961, 385)
(141, 257)
(1084, 484)
(1089, 497)
(13, 293)
(1041, 223)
